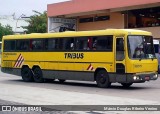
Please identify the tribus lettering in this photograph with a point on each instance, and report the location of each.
(74, 55)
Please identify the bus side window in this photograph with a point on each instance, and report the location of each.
(26, 45)
(51, 44)
(22, 45)
(94, 45)
(9, 45)
(82, 43)
(37, 44)
(90, 42)
(120, 45)
(69, 44)
(104, 43)
(60, 44)
(119, 49)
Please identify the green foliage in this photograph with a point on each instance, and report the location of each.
(37, 23)
(5, 30)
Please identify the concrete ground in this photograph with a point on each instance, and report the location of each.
(13, 89)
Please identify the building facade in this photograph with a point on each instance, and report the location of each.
(84, 15)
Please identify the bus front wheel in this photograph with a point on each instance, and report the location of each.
(102, 79)
(27, 74)
(38, 75)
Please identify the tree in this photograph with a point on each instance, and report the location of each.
(37, 23)
(5, 30)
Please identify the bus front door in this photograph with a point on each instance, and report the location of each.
(120, 59)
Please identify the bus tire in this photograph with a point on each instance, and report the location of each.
(102, 79)
(61, 80)
(126, 85)
(27, 74)
(38, 75)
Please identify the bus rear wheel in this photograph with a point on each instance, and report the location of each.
(102, 79)
(27, 74)
(126, 85)
(38, 75)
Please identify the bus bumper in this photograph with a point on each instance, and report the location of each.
(133, 78)
(138, 78)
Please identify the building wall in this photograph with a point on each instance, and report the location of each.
(116, 21)
(155, 31)
(82, 9)
(81, 6)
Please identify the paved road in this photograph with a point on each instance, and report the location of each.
(13, 89)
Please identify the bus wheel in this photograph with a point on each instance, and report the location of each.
(38, 76)
(126, 85)
(102, 79)
(27, 74)
(61, 80)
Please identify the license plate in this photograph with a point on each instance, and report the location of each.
(147, 78)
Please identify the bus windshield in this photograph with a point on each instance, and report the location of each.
(141, 47)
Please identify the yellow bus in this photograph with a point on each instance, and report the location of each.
(106, 56)
(0, 49)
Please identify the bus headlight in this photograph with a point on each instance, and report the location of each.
(155, 76)
(136, 77)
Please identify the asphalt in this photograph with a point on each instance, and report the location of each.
(13, 92)
(43, 96)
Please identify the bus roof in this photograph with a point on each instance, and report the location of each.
(117, 32)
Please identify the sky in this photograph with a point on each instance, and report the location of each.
(19, 7)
